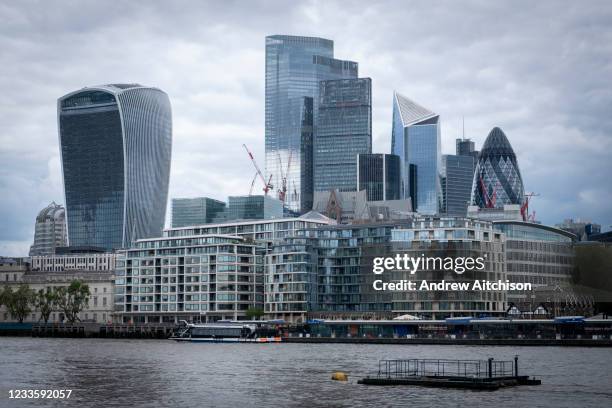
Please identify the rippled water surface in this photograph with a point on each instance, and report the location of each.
(148, 373)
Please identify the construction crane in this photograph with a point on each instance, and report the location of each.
(253, 183)
(525, 207)
(282, 192)
(267, 185)
(489, 200)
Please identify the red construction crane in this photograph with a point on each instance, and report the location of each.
(525, 207)
(489, 200)
(282, 192)
(267, 185)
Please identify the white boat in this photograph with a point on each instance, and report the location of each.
(221, 333)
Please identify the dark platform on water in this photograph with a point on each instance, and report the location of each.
(486, 375)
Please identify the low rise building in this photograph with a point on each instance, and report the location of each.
(195, 211)
(87, 261)
(536, 254)
(99, 308)
(351, 207)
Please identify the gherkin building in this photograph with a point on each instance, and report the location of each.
(497, 178)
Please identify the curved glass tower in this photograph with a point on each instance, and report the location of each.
(497, 179)
(115, 145)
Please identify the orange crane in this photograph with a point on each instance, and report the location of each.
(267, 185)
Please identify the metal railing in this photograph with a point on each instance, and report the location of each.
(447, 368)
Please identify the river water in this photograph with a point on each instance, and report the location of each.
(150, 373)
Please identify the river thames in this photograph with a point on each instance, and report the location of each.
(150, 373)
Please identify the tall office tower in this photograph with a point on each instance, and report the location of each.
(195, 211)
(458, 176)
(49, 230)
(465, 147)
(379, 175)
(415, 138)
(115, 144)
(343, 131)
(294, 67)
(497, 178)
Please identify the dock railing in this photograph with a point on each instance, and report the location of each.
(447, 368)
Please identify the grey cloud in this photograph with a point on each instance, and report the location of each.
(540, 71)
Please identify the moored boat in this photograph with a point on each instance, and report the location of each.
(222, 333)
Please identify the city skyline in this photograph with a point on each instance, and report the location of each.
(561, 102)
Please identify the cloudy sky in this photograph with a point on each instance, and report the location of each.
(542, 72)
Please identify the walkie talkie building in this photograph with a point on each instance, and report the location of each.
(115, 144)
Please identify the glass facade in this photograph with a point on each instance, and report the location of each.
(294, 67)
(457, 185)
(541, 255)
(203, 278)
(116, 143)
(497, 178)
(291, 280)
(340, 259)
(450, 238)
(252, 208)
(195, 211)
(416, 140)
(343, 131)
(379, 175)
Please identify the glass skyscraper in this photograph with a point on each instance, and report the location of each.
(343, 131)
(459, 173)
(497, 178)
(379, 175)
(458, 176)
(115, 145)
(195, 211)
(294, 67)
(415, 138)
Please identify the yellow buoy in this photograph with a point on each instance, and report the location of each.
(339, 376)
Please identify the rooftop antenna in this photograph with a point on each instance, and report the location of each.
(463, 132)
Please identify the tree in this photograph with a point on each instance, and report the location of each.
(18, 302)
(72, 299)
(4, 295)
(45, 302)
(254, 313)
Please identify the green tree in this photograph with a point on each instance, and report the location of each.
(4, 296)
(18, 302)
(72, 299)
(45, 302)
(254, 313)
